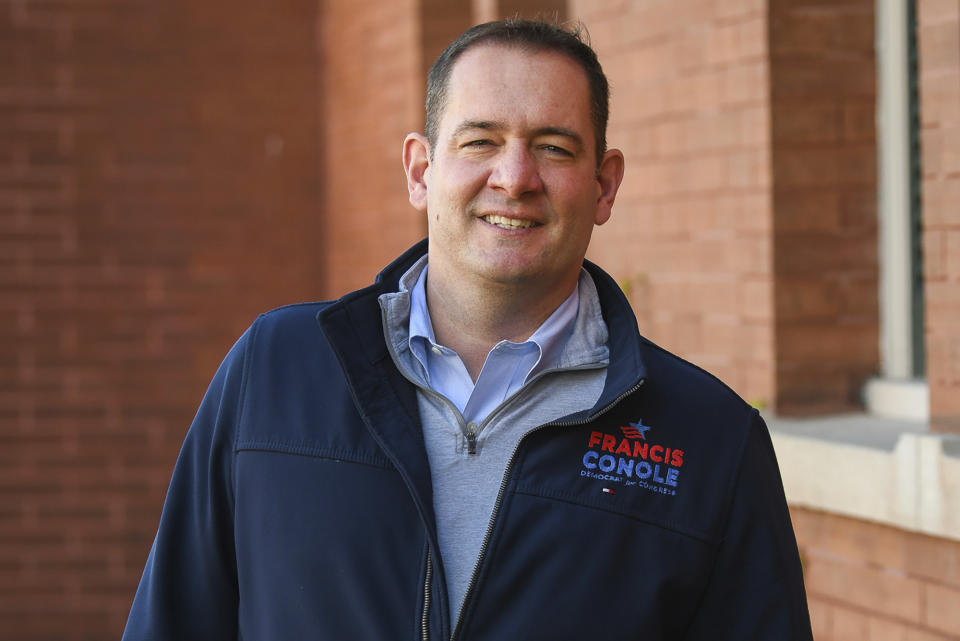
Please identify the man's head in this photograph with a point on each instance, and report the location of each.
(529, 35)
(512, 182)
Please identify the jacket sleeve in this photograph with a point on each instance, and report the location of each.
(756, 589)
(188, 590)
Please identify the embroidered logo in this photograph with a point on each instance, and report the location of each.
(632, 460)
(635, 430)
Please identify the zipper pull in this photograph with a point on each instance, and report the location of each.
(471, 438)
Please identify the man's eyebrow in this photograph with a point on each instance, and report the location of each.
(467, 125)
(559, 131)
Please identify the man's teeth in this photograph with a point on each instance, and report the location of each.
(508, 223)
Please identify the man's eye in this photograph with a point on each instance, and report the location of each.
(553, 149)
(477, 143)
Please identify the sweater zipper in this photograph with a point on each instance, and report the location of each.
(503, 485)
(471, 430)
(427, 588)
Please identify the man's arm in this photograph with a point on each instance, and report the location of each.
(189, 585)
(756, 590)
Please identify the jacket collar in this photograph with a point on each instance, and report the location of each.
(626, 369)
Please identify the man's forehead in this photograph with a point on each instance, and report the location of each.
(507, 77)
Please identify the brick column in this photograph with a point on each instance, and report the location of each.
(822, 101)
(939, 38)
(370, 98)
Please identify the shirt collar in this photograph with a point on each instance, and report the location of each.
(586, 346)
(420, 323)
(548, 339)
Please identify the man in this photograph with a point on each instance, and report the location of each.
(480, 445)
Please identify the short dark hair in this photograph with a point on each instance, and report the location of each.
(527, 34)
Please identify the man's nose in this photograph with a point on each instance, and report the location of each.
(516, 171)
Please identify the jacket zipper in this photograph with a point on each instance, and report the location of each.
(425, 620)
(503, 485)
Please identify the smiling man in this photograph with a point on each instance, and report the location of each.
(512, 184)
(480, 445)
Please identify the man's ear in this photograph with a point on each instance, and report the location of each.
(416, 162)
(609, 176)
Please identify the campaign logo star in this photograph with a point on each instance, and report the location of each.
(641, 428)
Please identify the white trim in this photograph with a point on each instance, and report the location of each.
(892, 472)
(907, 399)
(893, 190)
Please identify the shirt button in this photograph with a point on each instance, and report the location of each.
(436, 350)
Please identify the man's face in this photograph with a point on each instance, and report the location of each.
(511, 188)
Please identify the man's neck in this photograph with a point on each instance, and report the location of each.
(472, 319)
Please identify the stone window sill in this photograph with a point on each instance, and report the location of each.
(890, 471)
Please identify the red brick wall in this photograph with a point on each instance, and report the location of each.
(939, 39)
(440, 21)
(158, 187)
(823, 100)
(690, 237)
(869, 581)
(371, 97)
(170, 170)
(485, 10)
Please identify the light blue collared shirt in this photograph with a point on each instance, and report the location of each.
(507, 367)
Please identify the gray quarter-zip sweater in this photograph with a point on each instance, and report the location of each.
(466, 485)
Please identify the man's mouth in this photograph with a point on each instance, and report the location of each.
(509, 223)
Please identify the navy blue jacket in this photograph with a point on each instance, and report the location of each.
(301, 504)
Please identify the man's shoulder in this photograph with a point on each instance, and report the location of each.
(284, 328)
(293, 313)
(675, 376)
